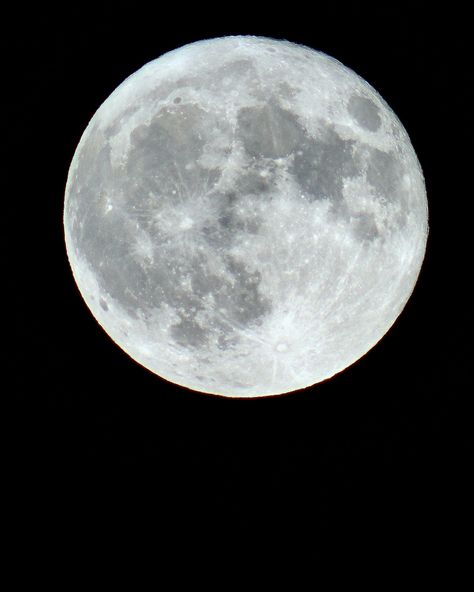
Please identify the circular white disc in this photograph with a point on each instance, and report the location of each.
(245, 216)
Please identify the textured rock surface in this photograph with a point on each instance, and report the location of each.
(245, 216)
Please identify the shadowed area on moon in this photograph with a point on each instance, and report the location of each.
(143, 266)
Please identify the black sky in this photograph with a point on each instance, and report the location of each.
(381, 452)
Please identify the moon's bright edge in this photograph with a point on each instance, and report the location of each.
(245, 216)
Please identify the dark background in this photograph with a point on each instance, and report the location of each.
(376, 461)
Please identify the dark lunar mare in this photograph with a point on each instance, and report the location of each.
(157, 166)
(162, 169)
(320, 164)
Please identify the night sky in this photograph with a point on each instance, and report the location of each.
(376, 460)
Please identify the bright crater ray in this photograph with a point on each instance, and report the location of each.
(245, 216)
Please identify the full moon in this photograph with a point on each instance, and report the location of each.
(245, 216)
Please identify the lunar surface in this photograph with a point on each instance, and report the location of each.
(245, 216)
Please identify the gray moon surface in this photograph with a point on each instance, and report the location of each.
(245, 216)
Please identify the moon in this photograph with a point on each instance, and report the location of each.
(245, 216)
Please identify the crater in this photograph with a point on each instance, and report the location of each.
(365, 112)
